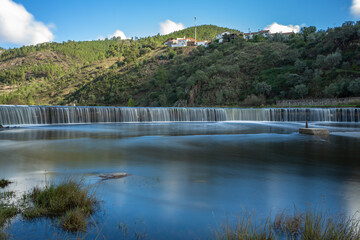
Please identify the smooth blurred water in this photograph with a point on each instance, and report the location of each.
(186, 178)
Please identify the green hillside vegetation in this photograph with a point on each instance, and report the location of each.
(143, 72)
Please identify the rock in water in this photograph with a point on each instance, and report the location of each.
(314, 131)
(113, 176)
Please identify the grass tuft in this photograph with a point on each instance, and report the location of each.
(4, 183)
(74, 221)
(70, 200)
(56, 200)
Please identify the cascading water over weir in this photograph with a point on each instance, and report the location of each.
(19, 115)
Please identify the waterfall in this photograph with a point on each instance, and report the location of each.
(19, 115)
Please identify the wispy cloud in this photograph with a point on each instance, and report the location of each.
(276, 28)
(169, 26)
(355, 8)
(18, 26)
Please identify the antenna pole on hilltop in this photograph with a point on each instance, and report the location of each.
(195, 29)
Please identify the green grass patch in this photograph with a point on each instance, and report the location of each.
(70, 200)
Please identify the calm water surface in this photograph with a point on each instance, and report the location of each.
(186, 178)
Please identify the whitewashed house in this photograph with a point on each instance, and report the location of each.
(184, 42)
(250, 35)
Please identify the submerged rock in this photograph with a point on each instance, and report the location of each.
(113, 176)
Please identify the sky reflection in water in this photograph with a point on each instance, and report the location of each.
(186, 177)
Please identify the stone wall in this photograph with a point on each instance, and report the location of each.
(319, 102)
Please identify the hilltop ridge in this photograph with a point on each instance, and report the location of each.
(310, 64)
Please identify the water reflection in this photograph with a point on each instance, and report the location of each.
(186, 177)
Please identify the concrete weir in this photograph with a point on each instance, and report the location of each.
(22, 115)
(314, 131)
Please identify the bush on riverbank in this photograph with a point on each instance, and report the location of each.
(311, 224)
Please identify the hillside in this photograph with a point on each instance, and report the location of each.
(310, 64)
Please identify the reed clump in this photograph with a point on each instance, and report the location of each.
(70, 200)
(74, 220)
(311, 224)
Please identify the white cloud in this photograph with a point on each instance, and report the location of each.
(355, 8)
(169, 26)
(118, 33)
(18, 26)
(277, 28)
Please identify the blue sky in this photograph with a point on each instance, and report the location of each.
(91, 19)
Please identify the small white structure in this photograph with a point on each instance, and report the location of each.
(203, 43)
(265, 33)
(250, 35)
(184, 42)
(181, 42)
(220, 36)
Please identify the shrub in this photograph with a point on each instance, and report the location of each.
(172, 54)
(130, 102)
(333, 59)
(354, 86)
(336, 89)
(301, 90)
(263, 88)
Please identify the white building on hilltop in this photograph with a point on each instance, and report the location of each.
(184, 42)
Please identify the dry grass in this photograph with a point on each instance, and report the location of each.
(312, 224)
(246, 227)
